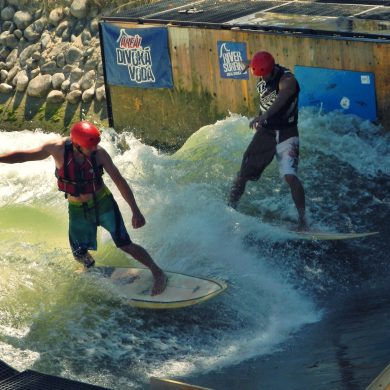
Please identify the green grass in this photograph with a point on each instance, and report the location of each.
(11, 116)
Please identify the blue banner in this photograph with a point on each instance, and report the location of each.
(333, 89)
(137, 57)
(232, 60)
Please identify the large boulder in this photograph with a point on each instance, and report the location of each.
(57, 80)
(3, 37)
(86, 37)
(30, 34)
(11, 41)
(60, 60)
(6, 88)
(73, 55)
(49, 67)
(3, 75)
(21, 81)
(55, 97)
(28, 52)
(22, 19)
(12, 59)
(4, 53)
(34, 31)
(12, 74)
(9, 26)
(94, 26)
(34, 73)
(88, 80)
(74, 96)
(65, 86)
(7, 13)
(79, 9)
(56, 15)
(88, 95)
(39, 86)
(100, 93)
(76, 75)
(62, 27)
(45, 40)
(40, 25)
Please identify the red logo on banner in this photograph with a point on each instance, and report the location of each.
(129, 41)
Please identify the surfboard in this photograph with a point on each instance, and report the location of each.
(382, 381)
(318, 235)
(169, 384)
(134, 286)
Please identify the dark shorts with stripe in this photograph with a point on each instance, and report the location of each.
(84, 218)
(258, 155)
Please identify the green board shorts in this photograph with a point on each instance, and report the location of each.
(84, 218)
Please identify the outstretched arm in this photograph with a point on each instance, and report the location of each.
(20, 156)
(138, 219)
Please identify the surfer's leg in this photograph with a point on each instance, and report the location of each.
(236, 191)
(84, 257)
(298, 195)
(82, 235)
(287, 154)
(257, 157)
(141, 255)
(112, 221)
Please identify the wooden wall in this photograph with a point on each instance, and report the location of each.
(200, 96)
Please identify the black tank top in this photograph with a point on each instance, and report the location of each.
(286, 119)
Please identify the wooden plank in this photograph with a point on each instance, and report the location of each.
(200, 96)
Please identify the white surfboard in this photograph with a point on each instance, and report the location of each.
(134, 286)
(318, 235)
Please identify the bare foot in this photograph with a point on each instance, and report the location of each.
(302, 226)
(160, 283)
(86, 260)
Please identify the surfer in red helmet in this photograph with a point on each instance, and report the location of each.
(80, 163)
(276, 132)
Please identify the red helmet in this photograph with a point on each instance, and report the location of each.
(85, 134)
(262, 63)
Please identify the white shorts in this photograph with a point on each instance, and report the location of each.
(287, 154)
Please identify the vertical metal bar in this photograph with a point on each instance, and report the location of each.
(108, 92)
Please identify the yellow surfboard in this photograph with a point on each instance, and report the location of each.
(317, 235)
(169, 384)
(134, 286)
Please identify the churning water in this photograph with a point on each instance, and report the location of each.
(57, 321)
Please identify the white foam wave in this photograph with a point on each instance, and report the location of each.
(189, 229)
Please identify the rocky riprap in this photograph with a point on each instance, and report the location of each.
(52, 54)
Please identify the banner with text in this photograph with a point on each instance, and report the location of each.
(232, 60)
(137, 57)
